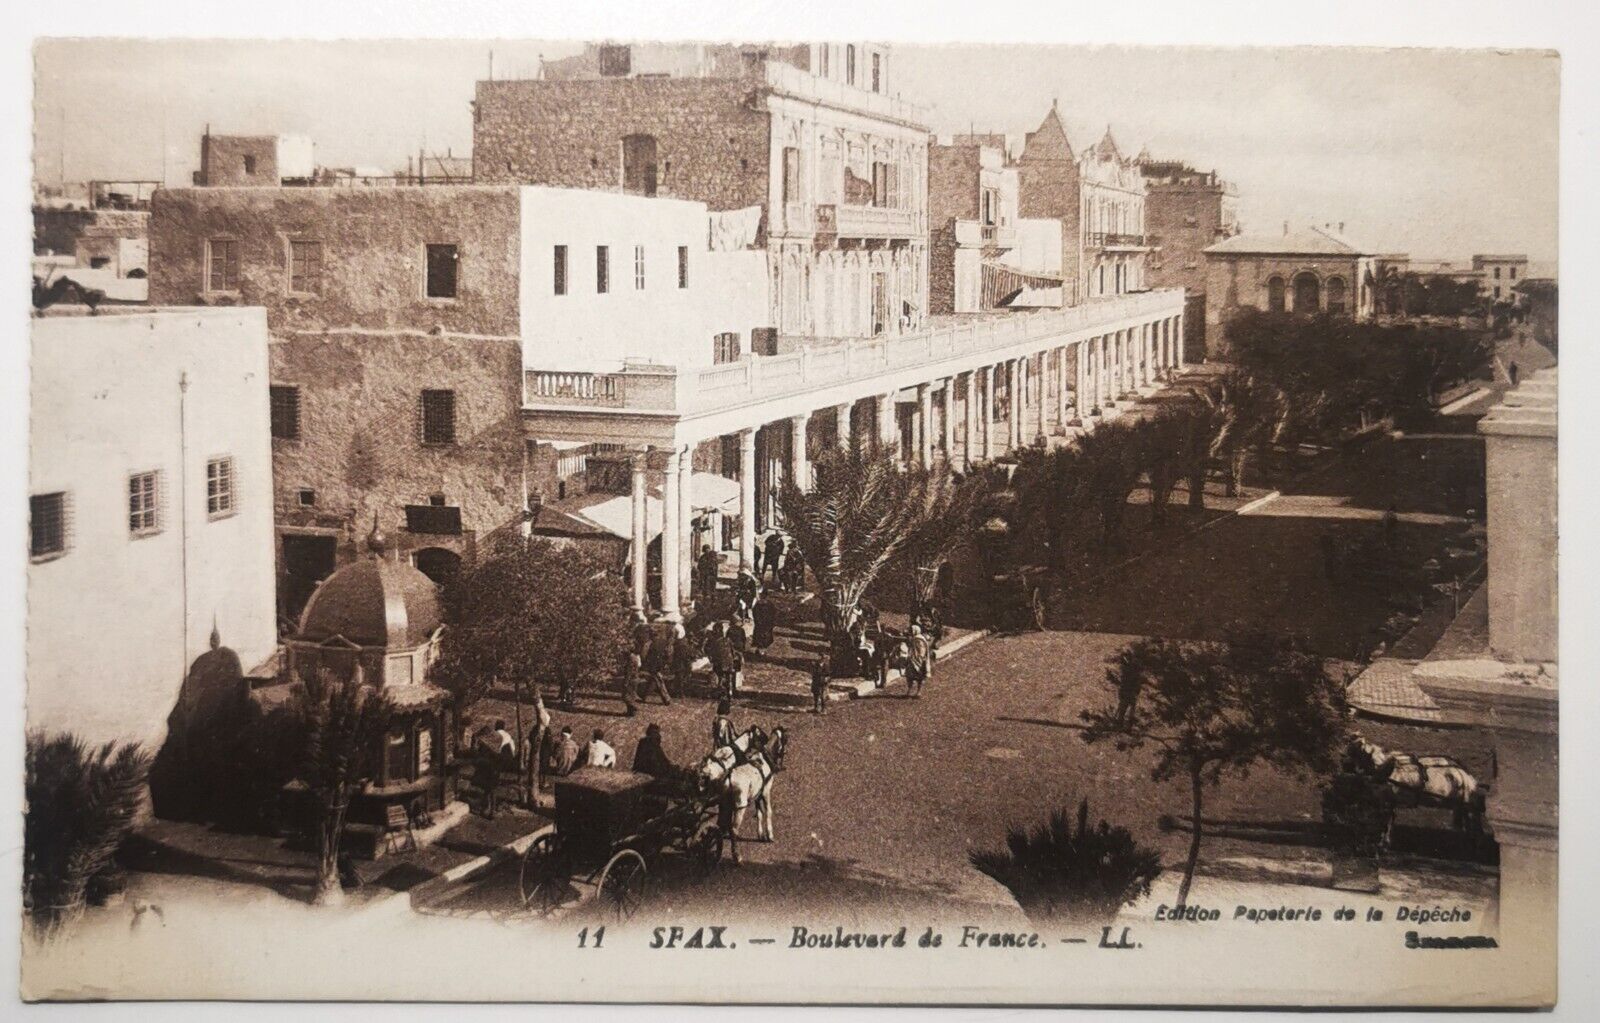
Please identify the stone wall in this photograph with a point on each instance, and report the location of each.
(1049, 189)
(58, 231)
(712, 137)
(952, 196)
(373, 254)
(360, 450)
(222, 160)
(1184, 220)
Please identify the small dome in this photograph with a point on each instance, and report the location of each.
(373, 602)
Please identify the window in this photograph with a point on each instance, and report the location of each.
(615, 61)
(822, 59)
(638, 268)
(219, 487)
(1336, 290)
(305, 266)
(249, 164)
(308, 498)
(1513, 273)
(725, 348)
(877, 72)
(1497, 273)
(438, 417)
(47, 525)
(639, 165)
(850, 64)
(144, 490)
(443, 266)
(561, 269)
(222, 265)
(791, 174)
(602, 269)
(285, 407)
(683, 266)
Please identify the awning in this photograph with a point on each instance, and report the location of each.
(613, 513)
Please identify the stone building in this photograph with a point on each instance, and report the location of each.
(403, 322)
(1186, 212)
(149, 515)
(236, 160)
(1316, 270)
(829, 165)
(972, 222)
(1099, 199)
(1501, 275)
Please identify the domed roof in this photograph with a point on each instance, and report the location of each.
(373, 602)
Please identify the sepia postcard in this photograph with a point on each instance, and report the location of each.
(791, 521)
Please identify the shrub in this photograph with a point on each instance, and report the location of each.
(80, 805)
(1057, 872)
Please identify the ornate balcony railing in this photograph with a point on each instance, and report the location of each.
(975, 234)
(871, 221)
(1111, 239)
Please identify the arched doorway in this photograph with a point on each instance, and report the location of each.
(1336, 298)
(1275, 302)
(1307, 293)
(437, 564)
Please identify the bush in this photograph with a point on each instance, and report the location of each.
(80, 805)
(1056, 872)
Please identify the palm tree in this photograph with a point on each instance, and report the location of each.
(859, 514)
(1112, 461)
(81, 803)
(1245, 412)
(344, 722)
(948, 517)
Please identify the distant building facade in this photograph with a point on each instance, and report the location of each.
(254, 160)
(150, 513)
(1186, 212)
(1501, 275)
(829, 165)
(972, 210)
(1311, 271)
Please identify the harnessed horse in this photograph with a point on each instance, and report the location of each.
(743, 776)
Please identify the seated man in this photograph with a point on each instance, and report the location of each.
(600, 753)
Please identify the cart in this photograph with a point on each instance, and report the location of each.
(614, 831)
(1019, 598)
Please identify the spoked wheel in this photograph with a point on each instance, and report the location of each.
(542, 879)
(622, 885)
(707, 847)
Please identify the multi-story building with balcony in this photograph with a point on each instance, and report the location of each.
(1099, 199)
(972, 212)
(1186, 211)
(829, 165)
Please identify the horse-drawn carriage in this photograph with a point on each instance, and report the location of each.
(1427, 781)
(1017, 597)
(614, 831)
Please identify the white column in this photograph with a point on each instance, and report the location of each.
(1014, 403)
(1080, 382)
(842, 423)
(686, 525)
(947, 420)
(888, 425)
(1041, 393)
(747, 499)
(1061, 389)
(925, 425)
(641, 533)
(799, 464)
(990, 375)
(670, 537)
(1177, 340)
(969, 422)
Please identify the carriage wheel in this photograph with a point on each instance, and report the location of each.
(1036, 607)
(542, 879)
(707, 847)
(622, 883)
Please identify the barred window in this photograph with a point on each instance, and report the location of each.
(438, 417)
(602, 269)
(638, 268)
(305, 265)
(725, 347)
(220, 499)
(683, 266)
(285, 403)
(144, 497)
(47, 525)
(443, 267)
(222, 265)
(561, 269)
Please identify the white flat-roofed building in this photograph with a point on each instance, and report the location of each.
(150, 513)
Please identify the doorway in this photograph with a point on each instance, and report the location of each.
(307, 560)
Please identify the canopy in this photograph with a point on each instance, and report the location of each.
(613, 513)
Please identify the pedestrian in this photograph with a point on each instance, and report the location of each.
(738, 635)
(547, 756)
(758, 553)
(486, 774)
(722, 726)
(766, 620)
(720, 653)
(569, 692)
(599, 752)
(631, 668)
(566, 756)
(917, 663)
(819, 686)
(505, 743)
(682, 659)
(657, 661)
(736, 673)
(710, 568)
(538, 737)
(1513, 373)
(649, 757)
(1128, 685)
(775, 550)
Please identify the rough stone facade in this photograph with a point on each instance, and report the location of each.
(952, 195)
(233, 160)
(712, 137)
(360, 453)
(1183, 218)
(1049, 186)
(86, 233)
(373, 254)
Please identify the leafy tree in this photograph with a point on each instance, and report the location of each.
(530, 615)
(1112, 459)
(80, 803)
(1246, 412)
(1054, 496)
(1083, 875)
(1214, 709)
(947, 518)
(859, 514)
(1165, 440)
(344, 722)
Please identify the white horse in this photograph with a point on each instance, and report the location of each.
(744, 779)
(1440, 777)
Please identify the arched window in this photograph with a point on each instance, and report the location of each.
(1336, 295)
(1307, 293)
(438, 564)
(1275, 295)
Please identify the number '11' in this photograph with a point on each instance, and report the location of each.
(599, 936)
